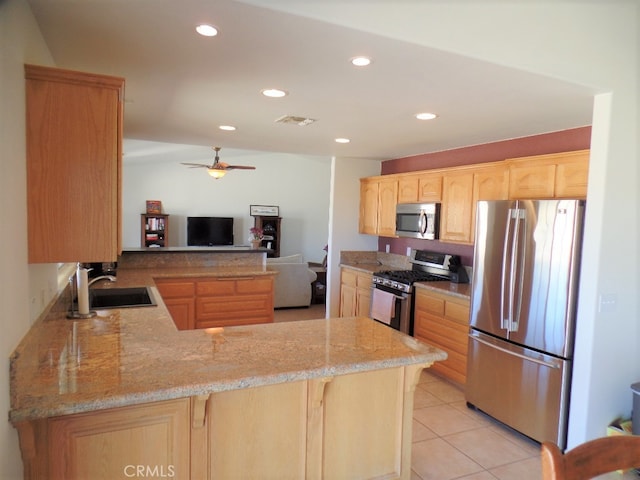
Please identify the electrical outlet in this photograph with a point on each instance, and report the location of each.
(387, 248)
(408, 251)
(608, 303)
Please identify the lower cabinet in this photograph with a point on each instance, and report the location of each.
(442, 320)
(348, 426)
(142, 441)
(355, 293)
(217, 301)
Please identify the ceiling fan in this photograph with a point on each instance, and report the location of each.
(218, 169)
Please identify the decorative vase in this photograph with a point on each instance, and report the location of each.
(255, 244)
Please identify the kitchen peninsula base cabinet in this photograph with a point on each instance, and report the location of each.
(346, 426)
(442, 320)
(218, 301)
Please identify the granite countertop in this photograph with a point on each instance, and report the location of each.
(461, 290)
(136, 355)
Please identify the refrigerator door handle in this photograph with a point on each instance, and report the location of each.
(517, 267)
(505, 276)
(518, 355)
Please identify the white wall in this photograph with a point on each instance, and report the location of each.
(25, 290)
(297, 184)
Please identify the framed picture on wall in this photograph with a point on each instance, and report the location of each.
(264, 211)
(154, 206)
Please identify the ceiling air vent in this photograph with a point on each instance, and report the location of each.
(293, 120)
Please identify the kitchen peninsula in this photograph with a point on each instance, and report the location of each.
(329, 398)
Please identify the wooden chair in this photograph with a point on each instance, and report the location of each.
(590, 459)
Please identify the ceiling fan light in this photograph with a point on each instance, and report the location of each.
(216, 172)
(207, 30)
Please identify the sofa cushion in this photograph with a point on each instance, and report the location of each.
(297, 258)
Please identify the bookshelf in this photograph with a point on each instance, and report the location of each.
(154, 230)
(271, 229)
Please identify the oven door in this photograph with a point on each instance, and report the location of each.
(391, 308)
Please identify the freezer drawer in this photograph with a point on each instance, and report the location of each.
(521, 388)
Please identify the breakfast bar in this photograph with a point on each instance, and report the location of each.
(125, 389)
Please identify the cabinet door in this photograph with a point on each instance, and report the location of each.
(532, 180)
(259, 432)
(348, 302)
(387, 201)
(572, 175)
(430, 187)
(368, 221)
(457, 193)
(489, 183)
(113, 443)
(73, 205)
(363, 294)
(408, 189)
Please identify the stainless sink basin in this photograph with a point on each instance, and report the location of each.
(105, 298)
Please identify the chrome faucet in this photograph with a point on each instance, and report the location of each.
(111, 278)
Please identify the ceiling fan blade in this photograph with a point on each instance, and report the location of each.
(196, 165)
(239, 167)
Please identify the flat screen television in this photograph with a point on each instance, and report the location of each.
(209, 231)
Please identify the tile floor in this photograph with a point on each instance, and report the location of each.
(451, 441)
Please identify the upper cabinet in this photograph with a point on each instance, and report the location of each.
(378, 200)
(560, 175)
(74, 155)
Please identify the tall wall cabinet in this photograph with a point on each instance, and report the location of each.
(74, 155)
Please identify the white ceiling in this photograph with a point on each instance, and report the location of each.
(180, 86)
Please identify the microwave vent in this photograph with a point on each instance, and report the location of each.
(294, 120)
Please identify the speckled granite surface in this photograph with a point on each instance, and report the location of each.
(130, 356)
(462, 290)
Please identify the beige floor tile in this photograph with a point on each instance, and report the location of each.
(530, 469)
(444, 419)
(479, 476)
(486, 447)
(420, 432)
(422, 398)
(437, 460)
(427, 376)
(444, 391)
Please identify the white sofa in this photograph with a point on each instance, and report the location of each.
(292, 286)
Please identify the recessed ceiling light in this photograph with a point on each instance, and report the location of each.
(207, 30)
(273, 92)
(360, 61)
(426, 116)
(342, 140)
(228, 128)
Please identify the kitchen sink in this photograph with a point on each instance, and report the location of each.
(105, 298)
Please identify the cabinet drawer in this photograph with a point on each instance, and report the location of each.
(364, 280)
(254, 285)
(217, 287)
(233, 307)
(175, 288)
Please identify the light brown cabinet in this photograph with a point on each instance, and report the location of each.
(418, 188)
(490, 182)
(560, 175)
(154, 230)
(109, 444)
(378, 200)
(179, 298)
(74, 155)
(346, 426)
(442, 320)
(355, 293)
(457, 206)
(218, 301)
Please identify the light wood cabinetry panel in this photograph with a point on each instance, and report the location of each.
(418, 188)
(457, 192)
(355, 293)
(490, 182)
(408, 188)
(560, 175)
(74, 155)
(443, 321)
(113, 443)
(218, 301)
(378, 200)
(259, 432)
(179, 298)
(224, 302)
(368, 221)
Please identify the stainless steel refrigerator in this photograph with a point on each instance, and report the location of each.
(523, 309)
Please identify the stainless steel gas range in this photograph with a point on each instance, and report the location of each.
(392, 290)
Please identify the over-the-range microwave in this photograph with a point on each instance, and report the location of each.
(418, 220)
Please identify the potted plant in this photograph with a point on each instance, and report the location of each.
(256, 236)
